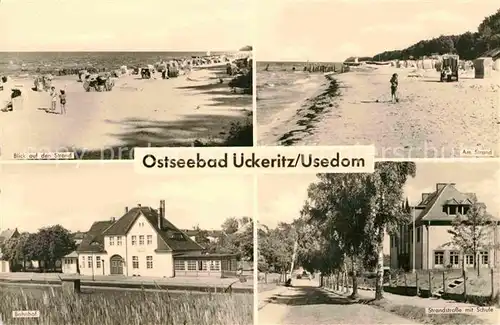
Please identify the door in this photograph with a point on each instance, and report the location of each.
(116, 263)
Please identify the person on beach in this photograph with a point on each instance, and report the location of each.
(394, 88)
(53, 95)
(62, 101)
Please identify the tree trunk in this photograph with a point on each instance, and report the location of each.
(379, 285)
(354, 294)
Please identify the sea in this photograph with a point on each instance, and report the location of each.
(29, 62)
(279, 86)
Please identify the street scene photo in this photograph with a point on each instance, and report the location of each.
(416, 79)
(381, 248)
(99, 244)
(100, 89)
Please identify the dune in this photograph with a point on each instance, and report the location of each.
(136, 113)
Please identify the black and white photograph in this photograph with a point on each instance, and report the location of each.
(380, 248)
(417, 79)
(98, 78)
(100, 244)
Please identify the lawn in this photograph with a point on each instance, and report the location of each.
(107, 307)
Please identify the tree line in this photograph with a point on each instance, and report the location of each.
(47, 246)
(341, 228)
(468, 45)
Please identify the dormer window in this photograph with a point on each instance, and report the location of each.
(453, 210)
(177, 236)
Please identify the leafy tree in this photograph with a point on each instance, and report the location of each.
(14, 250)
(472, 232)
(49, 245)
(467, 45)
(386, 195)
(230, 226)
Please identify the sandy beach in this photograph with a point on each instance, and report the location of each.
(136, 113)
(432, 119)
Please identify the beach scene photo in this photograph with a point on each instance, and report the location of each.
(166, 252)
(97, 90)
(415, 79)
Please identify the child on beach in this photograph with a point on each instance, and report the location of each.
(53, 95)
(62, 101)
(394, 88)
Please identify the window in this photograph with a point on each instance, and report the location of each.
(214, 265)
(419, 229)
(445, 209)
(484, 258)
(83, 262)
(111, 241)
(469, 259)
(453, 210)
(135, 262)
(438, 258)
(149, 262)
(191, 265)
(134, 240)
(119, 241)
(179, 265)
(150, 239)
(454, 258)
(141, 240)
(466, 209)
(98, 262)
(89, 261)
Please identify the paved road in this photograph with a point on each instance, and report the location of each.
(306, 304)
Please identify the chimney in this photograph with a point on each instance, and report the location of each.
(161, 213)
(126, 209)
(425, 196)
(113, 219)
(138, 205)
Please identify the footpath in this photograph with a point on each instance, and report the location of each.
(487, 317)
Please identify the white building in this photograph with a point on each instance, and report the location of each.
(433, 219)
(143, 243)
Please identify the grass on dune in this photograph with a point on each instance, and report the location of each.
(127, 308)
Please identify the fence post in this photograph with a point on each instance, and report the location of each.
(430, 284)
(464, 274)
(444, 282)
(390, 279)
(416, 284)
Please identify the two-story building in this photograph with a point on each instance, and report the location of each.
(4, 237)
(433, 219)
(144, 243)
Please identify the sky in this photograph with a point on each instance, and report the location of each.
(333, 30)
(38, 195)
(125, 25)
(281, 197)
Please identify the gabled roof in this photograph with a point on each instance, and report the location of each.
(93, 241)
(431, 208)
(183, 243)
(7, 234)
